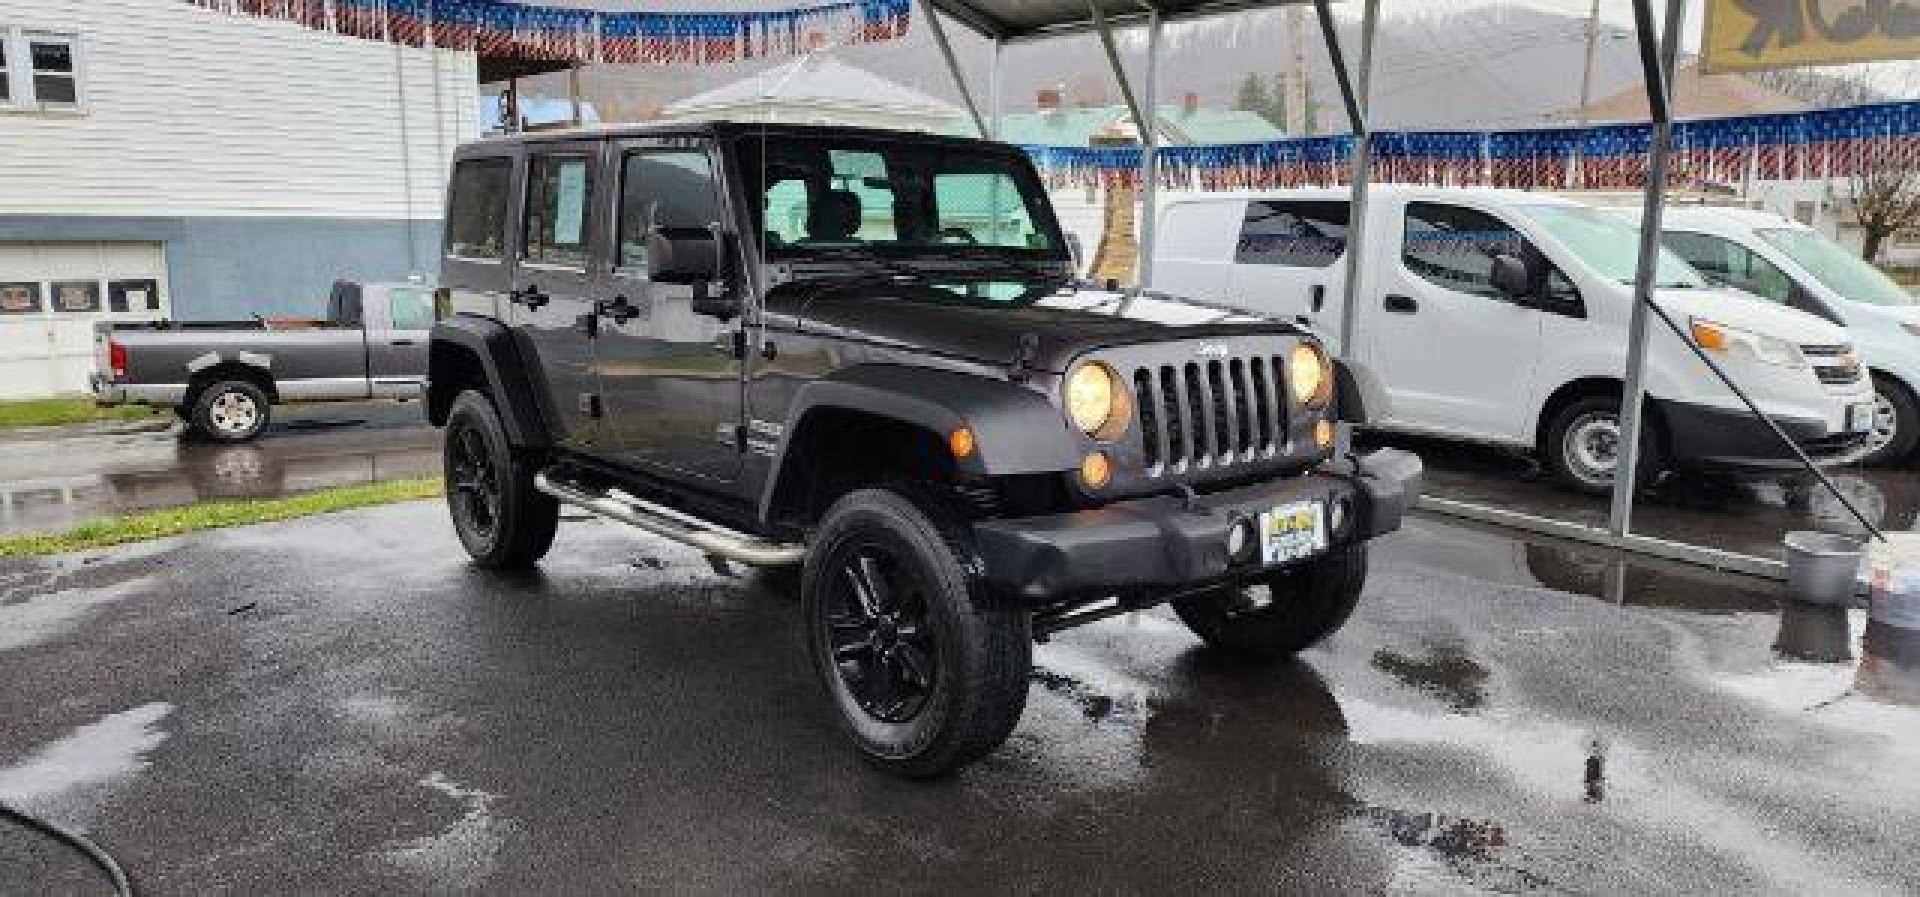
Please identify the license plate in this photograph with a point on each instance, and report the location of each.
(1860, 417)
(1293, 531)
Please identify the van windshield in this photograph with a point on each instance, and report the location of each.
(837, 197)
(1609, 245)
(1842, 271)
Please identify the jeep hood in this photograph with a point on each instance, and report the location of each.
(1062, 326)
(1747, 312)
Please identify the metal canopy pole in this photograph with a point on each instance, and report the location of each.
(1149, 159)
(1657, 55)
(996, 103)
(1356, 103)
(1113, 61)
(953, 66)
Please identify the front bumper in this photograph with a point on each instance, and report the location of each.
(1161, 542)
(1722, 437)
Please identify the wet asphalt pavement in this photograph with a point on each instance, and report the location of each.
(368, 714)
(51, 480)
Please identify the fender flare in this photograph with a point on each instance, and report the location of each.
(1016, 429)
(509, 379)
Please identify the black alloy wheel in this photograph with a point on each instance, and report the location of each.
(880, 633)
(501, 519)
(473, 483)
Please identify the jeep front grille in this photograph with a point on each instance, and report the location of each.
(1204, 414)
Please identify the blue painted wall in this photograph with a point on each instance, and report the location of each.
(232, 268)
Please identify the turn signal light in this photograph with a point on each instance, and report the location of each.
(1096, 469)
(961, 443)
(1323, 434)
(1709, 336)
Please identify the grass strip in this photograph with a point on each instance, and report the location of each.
(65, 410)
(157, 524)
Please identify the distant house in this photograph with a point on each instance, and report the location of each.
(1053, 124)
(167, 161)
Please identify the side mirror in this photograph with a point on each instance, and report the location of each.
(1511, 276)
(686, 256)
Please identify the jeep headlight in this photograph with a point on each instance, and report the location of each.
(1095, 401)
(1714, 336)
(1309, 375)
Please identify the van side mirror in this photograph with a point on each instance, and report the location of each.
(1510, 275)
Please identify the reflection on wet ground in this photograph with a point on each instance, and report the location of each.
(1500, 715)
(51, 483)
(1747, 514)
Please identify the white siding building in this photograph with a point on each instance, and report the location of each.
(161, 160)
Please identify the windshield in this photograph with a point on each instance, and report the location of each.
(1609, 245)
(1842, 271)
(859, 196)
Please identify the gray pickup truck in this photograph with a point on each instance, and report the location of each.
(223, 378)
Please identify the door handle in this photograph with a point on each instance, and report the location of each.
(1319, 296)
(617, 308)
(732, 343)
(1401, 305)
(531, 297)
(402, 342)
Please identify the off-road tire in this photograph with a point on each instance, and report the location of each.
(519, 526)
(981, 653)
(228, 411)
(1566, 424)
(1307, 603)
(1891, 395)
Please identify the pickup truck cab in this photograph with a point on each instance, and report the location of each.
(1501, 317)
(858, 357)
(1788, 263)
(224, 377)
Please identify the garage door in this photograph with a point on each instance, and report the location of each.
(50, 296)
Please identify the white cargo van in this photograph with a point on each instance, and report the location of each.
(1787, 262)
(1501, 317)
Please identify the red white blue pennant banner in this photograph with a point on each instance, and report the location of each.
(1824, 143)
(565, 34)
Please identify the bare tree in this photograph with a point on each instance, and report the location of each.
(1886, 201)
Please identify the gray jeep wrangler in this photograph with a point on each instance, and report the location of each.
(860, 356)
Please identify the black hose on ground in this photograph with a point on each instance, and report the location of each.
(79, 842)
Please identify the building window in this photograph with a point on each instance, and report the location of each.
(39, 71)
(19, 298)
(76, 295)
(133, 295)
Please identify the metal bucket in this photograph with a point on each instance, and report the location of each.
(1822, 567)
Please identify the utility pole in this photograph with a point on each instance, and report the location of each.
(1295, 91)
(1586, 74)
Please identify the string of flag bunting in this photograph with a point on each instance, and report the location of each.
(1817, 144)
(565, 34)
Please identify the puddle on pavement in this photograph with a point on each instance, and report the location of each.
(63, 778)
(186, 473)
(1748, 514)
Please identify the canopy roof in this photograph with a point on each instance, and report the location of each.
(1014, 20)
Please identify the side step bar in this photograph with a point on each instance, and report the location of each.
(679, 526)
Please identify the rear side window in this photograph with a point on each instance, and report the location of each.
(1298, 234)
(559, 198)
(477, 208)
(410, 309)
(1454, 246)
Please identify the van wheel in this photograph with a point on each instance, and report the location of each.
(1582, 445)
(229, 411)
(924, 677)
(1896, 422)
(501, 520)
(1287, 612)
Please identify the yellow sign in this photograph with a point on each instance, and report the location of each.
(1750, 35)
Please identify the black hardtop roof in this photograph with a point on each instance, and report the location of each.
(723, 129)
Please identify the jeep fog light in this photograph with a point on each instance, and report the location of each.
(1096, 469)
(1308, 375)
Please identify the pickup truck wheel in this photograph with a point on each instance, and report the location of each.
(1289, 612)
(229, 411)
(924, 678)
(1582, 446)
(501, 519)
